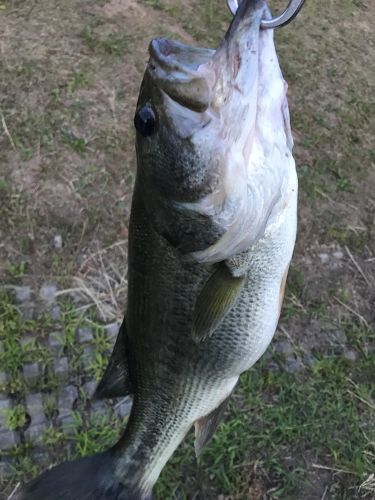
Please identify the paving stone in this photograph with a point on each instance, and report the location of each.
(99, 407)
(66, 398)
(47, 294)
(23, 293)
(294, 366)
(112, 330)
(41, 456)
(88, 356)
(5, 406)
(338, 255)
(55, 340)
(338, 337)
(66, 421)
(324, 258)
(34, 406)
(89, 388)
(57, 241)
(61, 367)
(31, 372)
(3, 378)
(85, 334)
(27, 340)
(35, 433)
(123, 408)
(8, 439)
(284, 347)
(55, 313)
(351, 355)
(7, 467)
(28, 311)
(309, 360)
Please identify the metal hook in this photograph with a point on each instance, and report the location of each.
(285, 18)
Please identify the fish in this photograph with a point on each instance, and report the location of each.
(211, 237)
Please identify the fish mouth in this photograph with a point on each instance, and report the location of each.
(198, 78)
(179, 71)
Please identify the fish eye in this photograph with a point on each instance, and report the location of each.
(145, 120)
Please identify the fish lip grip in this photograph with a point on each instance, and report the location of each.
(292, 10)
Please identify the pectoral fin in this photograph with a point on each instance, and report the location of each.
(206, 426)
(215, 301)
(116, 382)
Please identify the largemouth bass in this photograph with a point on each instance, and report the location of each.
(212, 232)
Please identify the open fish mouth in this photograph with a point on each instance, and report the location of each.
(200, 78)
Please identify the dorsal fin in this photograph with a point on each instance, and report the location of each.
(116, 381)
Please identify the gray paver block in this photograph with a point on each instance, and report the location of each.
(55, 313)
(85, 334)
(66, 398)
(7, 467)
(66, 421)
(351, 355)
(57, 241)
(34, 405)
(61, 367)
(8, 439)
(88, 356)
(47, 294)
(89, 388)
(3, 378)
(35, 433)
(112, 330)
(5, 405)
(31, 372)
(123, 408)
(55, 340)
(294, 366)
(23, 293)
(28, 311)
(99, 407)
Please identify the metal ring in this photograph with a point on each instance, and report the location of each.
(285, 18)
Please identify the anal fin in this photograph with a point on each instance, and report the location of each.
(206, 426)
(116, 381)
(218, 296)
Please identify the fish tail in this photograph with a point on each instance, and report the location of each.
(90, 478)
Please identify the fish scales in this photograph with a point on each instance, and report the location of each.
(212, 231)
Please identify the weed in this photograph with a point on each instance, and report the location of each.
(308, 417)
(77, 144)
(15, 418)
(15, 270)
(95, 434)
(116, 44)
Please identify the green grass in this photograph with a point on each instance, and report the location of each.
(115, 44)
(279, 421)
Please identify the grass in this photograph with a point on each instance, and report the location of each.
(281, 422)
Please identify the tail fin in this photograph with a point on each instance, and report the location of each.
(90, 478)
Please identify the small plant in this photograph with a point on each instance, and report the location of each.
(97, 366)
(15, 270)
(78, 144)
(15, 418)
